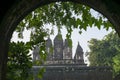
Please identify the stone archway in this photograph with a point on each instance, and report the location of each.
(18, 10)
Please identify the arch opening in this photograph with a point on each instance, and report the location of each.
(11, 28)
(33, 13)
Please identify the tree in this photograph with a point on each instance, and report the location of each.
(105, 52)
(66, 14)
(19, 62)
(116, 65)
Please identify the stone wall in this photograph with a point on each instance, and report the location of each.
(74, 72)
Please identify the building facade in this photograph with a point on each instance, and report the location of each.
(60, 65)
(60, 52)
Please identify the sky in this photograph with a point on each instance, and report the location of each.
(82, 38)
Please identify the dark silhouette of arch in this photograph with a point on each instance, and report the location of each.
(12, 12)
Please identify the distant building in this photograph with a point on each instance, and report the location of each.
(60, 65)
(60, 52)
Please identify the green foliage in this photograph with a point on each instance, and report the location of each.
(116, 64)
(66, 14)
(40, 74)
(19, 62)
(105, 52)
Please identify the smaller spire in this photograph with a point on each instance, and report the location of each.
(78, 43)
(48, 42)
(79, 55)
(79, 48)
(49, 39)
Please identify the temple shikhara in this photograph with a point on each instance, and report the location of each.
(60, 52)
(61, 65)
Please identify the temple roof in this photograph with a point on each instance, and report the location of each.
(79, 48)
(58, 37)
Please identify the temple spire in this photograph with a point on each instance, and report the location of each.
(58, 47)
(49, 49)
(79, 54)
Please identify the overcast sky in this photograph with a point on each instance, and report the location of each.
(76, 37)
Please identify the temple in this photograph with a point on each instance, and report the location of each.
(60, 52)
(60, 65)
